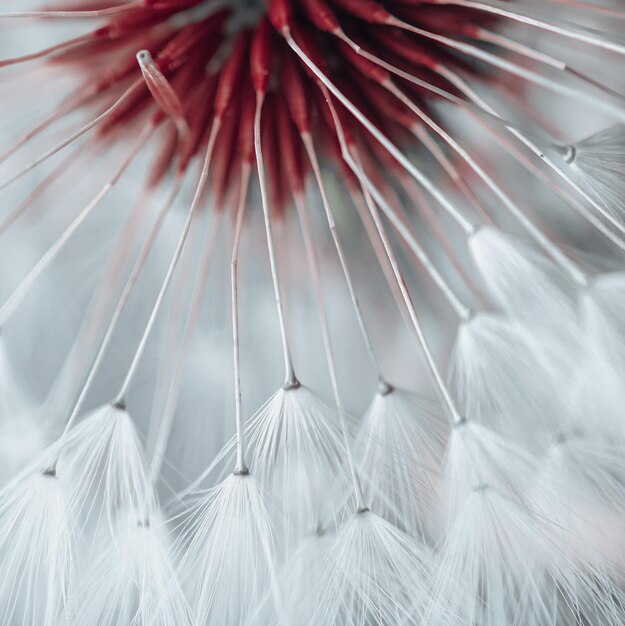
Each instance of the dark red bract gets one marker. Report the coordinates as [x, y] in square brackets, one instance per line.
[214, 70]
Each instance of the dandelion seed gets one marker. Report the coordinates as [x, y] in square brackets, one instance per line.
[132, 581]
[598, 163]
[339, 149]
[37, 547]
[229, 551]
[499, 378]
[399, 453]
[103, 456]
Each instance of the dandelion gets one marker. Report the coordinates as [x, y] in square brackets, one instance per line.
[312, 313]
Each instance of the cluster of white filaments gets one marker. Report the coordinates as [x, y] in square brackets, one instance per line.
[384, 223]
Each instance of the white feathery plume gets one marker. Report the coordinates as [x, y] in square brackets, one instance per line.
[530, 288]
[498, 378]
[602, 307]
[36, 550]
[370, 574]
[596, 395]
[501, 564]
[297, 452]
[598, 165]
[377, 573]
[398, 452]
[229, 551]
[478, 456]
[132, 580]
[587, 472]
[523, 282]
[227, 544]
[532, 533]
[105, 454]
[366, 573]
[486, 567]
[104, 460]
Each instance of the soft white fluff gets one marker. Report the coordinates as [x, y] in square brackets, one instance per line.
[228, 552]
[502, 565]
[132, 580]
[369, 574]
[478, 457]
[104, 462]
[581, 487]
[297, 452]
[599, 167]
[597, 394]
[526, 285]
[399, 452]
[36, 551]
[499, 379]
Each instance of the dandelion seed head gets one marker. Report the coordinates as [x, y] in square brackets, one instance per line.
[345, 201]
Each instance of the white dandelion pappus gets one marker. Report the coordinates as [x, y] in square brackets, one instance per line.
[229, 548]
[104, 460]
[37, 550]
[399, 450]
[131, 579]
[510, 512]
[499, 379]
[598, 163]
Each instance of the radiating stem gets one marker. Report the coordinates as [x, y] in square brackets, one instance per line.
[18, 295]
[76, 135]
[241, 467]
[462, 222]
[312, 155]
[536, 149]
[290, 377]
[164, 428]
[563, 261]
[455, 415]
[120, 398]
[121, 305]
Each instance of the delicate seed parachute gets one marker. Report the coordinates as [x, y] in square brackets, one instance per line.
[312, 313]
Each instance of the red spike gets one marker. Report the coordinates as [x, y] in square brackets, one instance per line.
[135, 104]
[171, 5]
[231, 74]
[165, 157]
[332, 146]
[406, 47]
[246, 134]
[308, 44]
[280, 13]
[388, 105]
[199, 111]
[321, 15]
[187, 80]
[207, 32]
[295, 92]
[367, 10]
[271, 154]
[366, 67]
[160, 88]
[260, 56]
[130, 22]
[224, 154]
[291, 147]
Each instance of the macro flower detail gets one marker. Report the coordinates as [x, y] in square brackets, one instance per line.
[312, 313]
